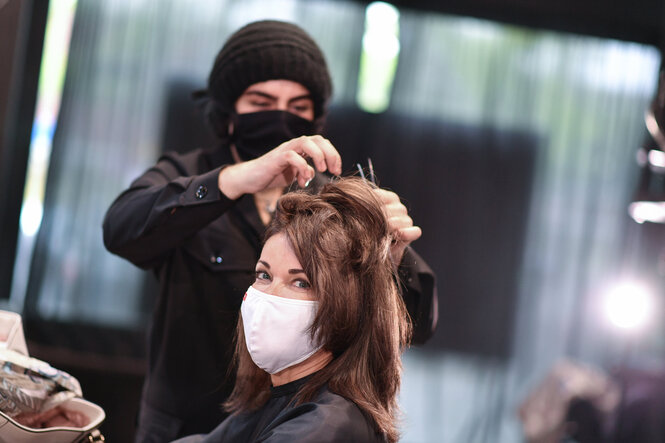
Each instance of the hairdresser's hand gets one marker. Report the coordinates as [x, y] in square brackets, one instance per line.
[280, 167]
[399, 223]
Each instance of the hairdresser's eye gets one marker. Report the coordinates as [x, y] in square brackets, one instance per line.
[261, 103]
[302, 284]
[262, 276]
[302, 107]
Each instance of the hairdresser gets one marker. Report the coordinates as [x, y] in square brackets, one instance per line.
[197, 219]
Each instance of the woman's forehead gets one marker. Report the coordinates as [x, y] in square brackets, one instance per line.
[278, 252]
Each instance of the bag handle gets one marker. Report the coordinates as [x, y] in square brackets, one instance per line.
[93, 436]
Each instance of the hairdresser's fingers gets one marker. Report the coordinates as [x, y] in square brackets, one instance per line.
[400, 224]
[323, 154]
[298, 168]
[392, 205]
[386, 196]
[400, 227]
[332, 157]
[307, 147]
[409, 234]
[395, 210]
[281, 166]
[403, 237]
[278, 167]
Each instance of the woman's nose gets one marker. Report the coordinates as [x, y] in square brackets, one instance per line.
[275, 288]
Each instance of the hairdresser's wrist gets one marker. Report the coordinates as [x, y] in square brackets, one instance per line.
[228, 183]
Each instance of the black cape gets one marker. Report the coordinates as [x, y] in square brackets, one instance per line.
[328, 418]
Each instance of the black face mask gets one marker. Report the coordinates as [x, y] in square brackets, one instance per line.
[256, 133]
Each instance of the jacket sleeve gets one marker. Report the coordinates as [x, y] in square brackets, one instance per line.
[418, 288]
[160, 209]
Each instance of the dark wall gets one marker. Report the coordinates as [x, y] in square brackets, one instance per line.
[22, 27]
[184, 128]
[468, 188]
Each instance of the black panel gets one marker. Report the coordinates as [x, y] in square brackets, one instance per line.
[184, 124]
[22, 25]
[469, 189]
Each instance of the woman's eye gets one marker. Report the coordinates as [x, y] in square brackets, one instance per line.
[261, 104]
[262, 275]
[302, 284]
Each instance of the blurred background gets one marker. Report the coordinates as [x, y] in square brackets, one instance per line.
[517, 133]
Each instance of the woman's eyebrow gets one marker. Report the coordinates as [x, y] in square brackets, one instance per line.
[264, 263]
[296, 271]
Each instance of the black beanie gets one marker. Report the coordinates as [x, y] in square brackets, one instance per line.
[269, 50]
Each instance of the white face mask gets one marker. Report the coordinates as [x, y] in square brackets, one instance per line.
[276, 329]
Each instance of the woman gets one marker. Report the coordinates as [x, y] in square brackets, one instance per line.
[321, 328]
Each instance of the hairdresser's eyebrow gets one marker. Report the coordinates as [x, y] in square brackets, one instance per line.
[274, 98]
[300, 97]
[264, 264]
[261, 94]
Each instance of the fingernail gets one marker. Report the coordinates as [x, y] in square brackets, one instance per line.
[308, 182]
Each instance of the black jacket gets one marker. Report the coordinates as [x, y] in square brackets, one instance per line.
[203, 249]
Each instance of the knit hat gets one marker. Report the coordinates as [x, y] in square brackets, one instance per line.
[269, 50]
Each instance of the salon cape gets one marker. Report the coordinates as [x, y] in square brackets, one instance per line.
[328, 418]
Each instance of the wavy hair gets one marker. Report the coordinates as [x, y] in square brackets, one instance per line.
[341, 238]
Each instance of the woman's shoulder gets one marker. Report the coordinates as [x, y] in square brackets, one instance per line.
[327, 418]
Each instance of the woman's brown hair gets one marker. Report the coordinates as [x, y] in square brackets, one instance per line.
[341, 238]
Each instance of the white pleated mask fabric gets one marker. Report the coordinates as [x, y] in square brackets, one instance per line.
[276, 329]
